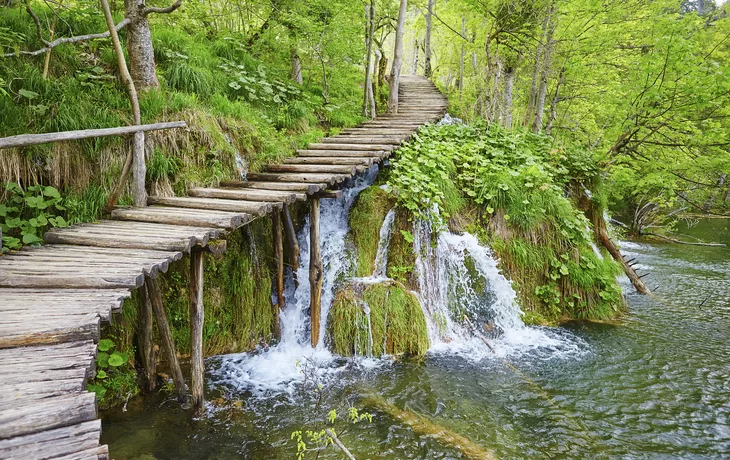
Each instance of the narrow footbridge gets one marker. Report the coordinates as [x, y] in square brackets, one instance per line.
[53, 298]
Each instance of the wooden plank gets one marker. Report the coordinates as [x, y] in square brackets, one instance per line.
[308, 188]
[316, 274]
[48, 414]
[254, 208]
[376, 155]
[291, 238]
[181, 216]
[250, 195]
[356, 139]
[332, 160]
[294, 177]
[346, 146]
[69, 280]
[19, 329]
[336, 169]
[71, 440]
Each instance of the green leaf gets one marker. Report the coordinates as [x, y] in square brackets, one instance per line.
[28, 94]
[116, 359]
[106, 345]
[102, 360]
[98, 389]
[51, 192]
[100, 374]
[408, 236]
[30, 238]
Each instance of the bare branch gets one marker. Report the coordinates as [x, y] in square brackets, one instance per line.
[37, 21]
[166, 10]
[64, 40]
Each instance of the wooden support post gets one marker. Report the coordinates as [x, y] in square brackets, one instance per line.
[146, 346]
[153, 291]
[139, 172]
[279, 255]
[315, 271]
[197, 317]
[291, 238]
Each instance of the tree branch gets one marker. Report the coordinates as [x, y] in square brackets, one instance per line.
[60, 41]
[37, 21]
[166, 10]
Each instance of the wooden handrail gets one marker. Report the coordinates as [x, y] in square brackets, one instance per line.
[23, 140]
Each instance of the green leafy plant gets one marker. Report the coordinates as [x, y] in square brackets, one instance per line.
[111, 364]
[28, 213]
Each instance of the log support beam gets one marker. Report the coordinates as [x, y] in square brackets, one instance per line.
[147, 352]
[197, 317]
[278, 234]
[291, 239]
[155, 296]
[315, 271]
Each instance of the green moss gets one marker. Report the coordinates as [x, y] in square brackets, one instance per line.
[366, 219]
[401, 258]
[396, 320]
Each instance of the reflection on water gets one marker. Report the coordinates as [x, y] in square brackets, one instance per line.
[657, 385]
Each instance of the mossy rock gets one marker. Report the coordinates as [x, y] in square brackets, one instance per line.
[366, 218]
[397, 322]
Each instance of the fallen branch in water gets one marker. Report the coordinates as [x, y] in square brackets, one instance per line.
[339, 444]
[674, 240]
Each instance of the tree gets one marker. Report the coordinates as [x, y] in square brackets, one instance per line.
[427, 39]
[397, 58]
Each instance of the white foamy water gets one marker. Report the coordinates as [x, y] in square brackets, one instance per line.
[458, 278]
[277, 369]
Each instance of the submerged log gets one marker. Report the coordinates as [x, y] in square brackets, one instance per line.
[197, 317]
[315, 271]
[155, 296]
[279, 256]
[424, 427]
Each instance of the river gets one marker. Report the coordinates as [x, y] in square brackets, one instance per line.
[655, 384]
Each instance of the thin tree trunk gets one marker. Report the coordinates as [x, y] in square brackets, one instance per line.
[545, 73]
[296, 65]
[461, 57]
[137, 155]
[554, 103]
[139, 47]
[536, 71]
[427, 41]
[507, 96]
[47, 62]
[416, 50]
[368, 108]
[397, 58]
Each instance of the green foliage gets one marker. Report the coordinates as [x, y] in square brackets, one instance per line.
[115, 377]
[396, 321]
[517, 179]
[28, 213]
[366, 218]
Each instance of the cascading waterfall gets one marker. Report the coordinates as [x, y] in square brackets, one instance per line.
[458, 278]
[276, 369]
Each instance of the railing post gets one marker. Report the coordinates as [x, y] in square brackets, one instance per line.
[139, 174]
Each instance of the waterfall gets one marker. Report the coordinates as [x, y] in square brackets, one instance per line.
[276, 369]
[381, 259]
[458, 278]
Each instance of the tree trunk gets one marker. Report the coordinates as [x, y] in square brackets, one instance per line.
[296, 65]
[554, 103]
[139, 47]
[197, 320]
[382, 75]
[507, 96]
[416, 50]
[397, 58]
[427, 41]
[544, 75]
[536, 71]
[368, 108]
[461, 57]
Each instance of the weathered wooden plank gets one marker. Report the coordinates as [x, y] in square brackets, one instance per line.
[69, 280]
[295, 187]
[250, 195]
[306, 168]
[376, 155]
[347, 146]
[301, 177]
[48, 414]
[254, 208]
[197, 318]
[19, 329]
[71, 440]
[356, 139]
[176, 216]
[332, 160]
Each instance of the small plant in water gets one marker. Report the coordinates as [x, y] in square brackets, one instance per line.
[319, 432]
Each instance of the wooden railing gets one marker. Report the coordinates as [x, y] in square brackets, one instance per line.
[138, 185]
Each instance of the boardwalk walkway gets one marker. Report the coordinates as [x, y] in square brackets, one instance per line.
[53, 298]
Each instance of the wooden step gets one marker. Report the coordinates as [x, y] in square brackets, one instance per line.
[308, 188]
[294, 177]
[255, 208]
[250, 195]
[379, 154]
[338, 146]
[332, 160]
[294, 168]
[183, 216]
[356, 139]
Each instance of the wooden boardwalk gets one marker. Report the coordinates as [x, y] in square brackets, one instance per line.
[53, 298]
